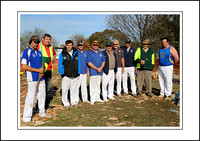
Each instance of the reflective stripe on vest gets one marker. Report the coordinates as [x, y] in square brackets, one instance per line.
[44, 53]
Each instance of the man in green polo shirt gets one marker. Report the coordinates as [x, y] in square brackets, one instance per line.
[144, 57]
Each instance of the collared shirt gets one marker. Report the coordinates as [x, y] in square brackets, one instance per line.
[111, 58]
[129, 57]
[32, 58]
[96, 59]
[83, 62]
[48, 53]
[119, 54]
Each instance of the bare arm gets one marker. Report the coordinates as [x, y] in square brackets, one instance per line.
[92, 66]
[28, 68]
[175, 55]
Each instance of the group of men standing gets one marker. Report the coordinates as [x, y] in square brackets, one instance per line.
[76, 65]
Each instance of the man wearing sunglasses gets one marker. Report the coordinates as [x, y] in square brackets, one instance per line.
[130, 65]
[120, 65]
[32, 64]
[96, 62]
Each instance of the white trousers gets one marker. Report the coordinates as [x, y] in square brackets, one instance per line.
[70, 83]
[83, 84]
[95, 88]
[108, 80]
[119, 79]
[30, 99]
[165, 79]
[131, 72]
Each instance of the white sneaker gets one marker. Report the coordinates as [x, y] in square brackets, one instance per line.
[111, 98]
[86, 101]
[92, 103]
[161, 96]
[106, 100]
[67, 107]
[99, 100]
[45, 115]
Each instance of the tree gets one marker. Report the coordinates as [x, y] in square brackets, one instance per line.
[107, 36]
[77, 37]
[26, 35]
[141, 26]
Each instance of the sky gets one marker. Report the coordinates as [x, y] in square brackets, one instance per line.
[62, 26]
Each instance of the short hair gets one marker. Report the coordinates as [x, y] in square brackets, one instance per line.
[68, 42]
[46, 35]
[166, 38]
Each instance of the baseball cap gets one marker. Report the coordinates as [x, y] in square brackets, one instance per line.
[95, 42]
[108, 44]
[35, 39]
[80, 43]
[128, 41]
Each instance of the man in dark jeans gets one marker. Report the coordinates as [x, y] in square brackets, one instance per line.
[47, 51]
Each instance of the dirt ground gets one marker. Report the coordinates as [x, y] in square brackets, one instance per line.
[128, 111]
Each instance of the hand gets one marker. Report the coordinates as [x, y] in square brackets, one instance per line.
[41, 70]
[41, 75]
[99, 70]
[122, 70]
[142, 62]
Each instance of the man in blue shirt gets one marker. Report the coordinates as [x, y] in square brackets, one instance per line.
[83, 71]
[96, 62]
[168, 56]
[32, 63]
[130, 65]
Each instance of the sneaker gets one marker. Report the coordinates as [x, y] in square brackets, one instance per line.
[125, 93]
[149, 94]
[139, 93]
[119, 95]
[161, 96]
[92, 103]
[168, 98]
[99, 100]
[45, 115]
[86, 101]
[106, 100]
[111, 98]
[67, 107]
[76, 106]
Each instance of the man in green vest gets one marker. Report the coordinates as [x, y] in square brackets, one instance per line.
[144, 58]
[47, 51]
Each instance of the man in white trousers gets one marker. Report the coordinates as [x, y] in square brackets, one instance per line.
[96, 62]
[120, 65]
[84, 71]
[32, 63]
[168, 56]
[109, 71]
[69, 71]
[130, 66]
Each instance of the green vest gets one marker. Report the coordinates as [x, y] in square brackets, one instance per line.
[44, 54]
[147, 56]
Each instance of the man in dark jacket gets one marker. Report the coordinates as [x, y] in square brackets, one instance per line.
[144, 56]
[68, 67]
[108, 72]
[130, 65]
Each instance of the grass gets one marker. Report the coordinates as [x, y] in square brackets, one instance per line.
[127, 111]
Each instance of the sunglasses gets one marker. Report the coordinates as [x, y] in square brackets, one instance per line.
[36, 42]
[115, 44]
[95, 45]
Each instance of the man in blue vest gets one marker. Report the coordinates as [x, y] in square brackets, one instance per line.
[130, 66]
[32, 63]
[168, 56]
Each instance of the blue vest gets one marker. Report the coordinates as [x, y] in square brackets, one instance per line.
[165, 57]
